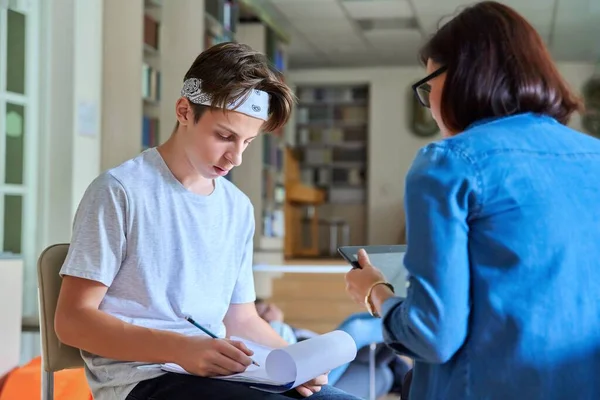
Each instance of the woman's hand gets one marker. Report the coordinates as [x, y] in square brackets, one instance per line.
[359, 280]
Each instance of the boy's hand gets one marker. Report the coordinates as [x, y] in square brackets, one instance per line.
[211, 357]
[312, 386]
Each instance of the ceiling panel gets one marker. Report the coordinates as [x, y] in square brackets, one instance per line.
[318, 27]
[430, 13]
[342, 40]
[333, 50]
[299, 45]
[310, 9]
[328, 34]
[368, 9]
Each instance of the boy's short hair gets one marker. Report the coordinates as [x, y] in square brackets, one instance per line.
[229, 71]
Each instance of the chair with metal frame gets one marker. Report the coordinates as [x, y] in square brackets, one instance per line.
[367, 333]
[56, 356]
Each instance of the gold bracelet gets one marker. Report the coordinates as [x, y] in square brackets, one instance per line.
[370, 307]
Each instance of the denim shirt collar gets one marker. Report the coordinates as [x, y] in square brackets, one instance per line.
[487, 120]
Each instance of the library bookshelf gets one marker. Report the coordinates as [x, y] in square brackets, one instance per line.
[331, 138]
[151, 74]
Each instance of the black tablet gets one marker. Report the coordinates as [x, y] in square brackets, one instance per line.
[388, 259]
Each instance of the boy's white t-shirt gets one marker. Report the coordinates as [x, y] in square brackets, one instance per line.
[164, 252]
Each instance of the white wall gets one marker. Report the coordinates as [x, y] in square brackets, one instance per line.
[88, 85]
[181, 41]
[392, 145]
[576, 75]
[71, 82]
[121, 62]
[69, 147]
[249, 178]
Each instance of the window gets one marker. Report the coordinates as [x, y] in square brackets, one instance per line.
[18, 142]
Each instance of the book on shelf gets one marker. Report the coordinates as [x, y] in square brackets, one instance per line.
[279, 195]
[355, 177]
[229, 15]
[346, 195]
[150, 83]
[272, 151]
[272, 188]
[351, 114]
[150, 132]
[333, 94]
[220, 18]
[151, 32]
[273, 223]
[279, 60]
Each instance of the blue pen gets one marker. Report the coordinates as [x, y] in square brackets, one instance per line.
[209, 333]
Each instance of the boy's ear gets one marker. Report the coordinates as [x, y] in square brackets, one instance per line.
[183, 111]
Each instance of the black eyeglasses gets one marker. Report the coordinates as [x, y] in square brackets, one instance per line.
[422, 89]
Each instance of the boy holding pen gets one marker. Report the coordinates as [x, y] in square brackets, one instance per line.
[164, 236]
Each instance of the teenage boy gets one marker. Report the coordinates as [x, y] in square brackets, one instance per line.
[164, 235]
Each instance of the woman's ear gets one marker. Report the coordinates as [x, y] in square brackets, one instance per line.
[183, 111]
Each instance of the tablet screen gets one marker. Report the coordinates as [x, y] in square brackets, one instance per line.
[388, 259]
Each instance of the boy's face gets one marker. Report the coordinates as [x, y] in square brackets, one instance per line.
[214, 145]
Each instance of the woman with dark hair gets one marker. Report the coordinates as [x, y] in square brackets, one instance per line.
[503, 225]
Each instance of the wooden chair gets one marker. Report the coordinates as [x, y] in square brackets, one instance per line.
[56, 356]
[298, 196]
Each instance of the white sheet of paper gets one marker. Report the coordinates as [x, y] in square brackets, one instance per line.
[288, 367]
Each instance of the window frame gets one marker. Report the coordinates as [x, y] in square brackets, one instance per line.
[28, 190]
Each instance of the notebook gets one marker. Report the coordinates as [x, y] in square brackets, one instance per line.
[286, 368]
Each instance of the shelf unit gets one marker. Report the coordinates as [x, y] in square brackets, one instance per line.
[220, 19]
[261, 176]
[273, 155]
[331, 126]
[151, 74]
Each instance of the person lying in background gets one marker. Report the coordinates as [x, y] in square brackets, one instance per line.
[389, 368]
[275, 317]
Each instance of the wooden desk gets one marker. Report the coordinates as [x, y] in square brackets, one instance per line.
[311, 296]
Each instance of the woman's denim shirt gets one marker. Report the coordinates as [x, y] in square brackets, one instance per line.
[503, 233]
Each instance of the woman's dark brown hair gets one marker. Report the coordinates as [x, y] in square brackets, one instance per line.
[497, 66]
[230, 71]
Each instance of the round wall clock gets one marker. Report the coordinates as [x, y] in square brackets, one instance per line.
[421, 122]
[591, 96]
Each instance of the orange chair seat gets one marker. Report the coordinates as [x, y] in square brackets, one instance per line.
[25, 383]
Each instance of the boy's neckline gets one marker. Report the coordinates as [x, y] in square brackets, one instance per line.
[180, 187]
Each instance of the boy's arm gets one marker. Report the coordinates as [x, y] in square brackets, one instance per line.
[243, 320]
[96, 251]
[79, 323]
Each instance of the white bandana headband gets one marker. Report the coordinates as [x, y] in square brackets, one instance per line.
[255, 105]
